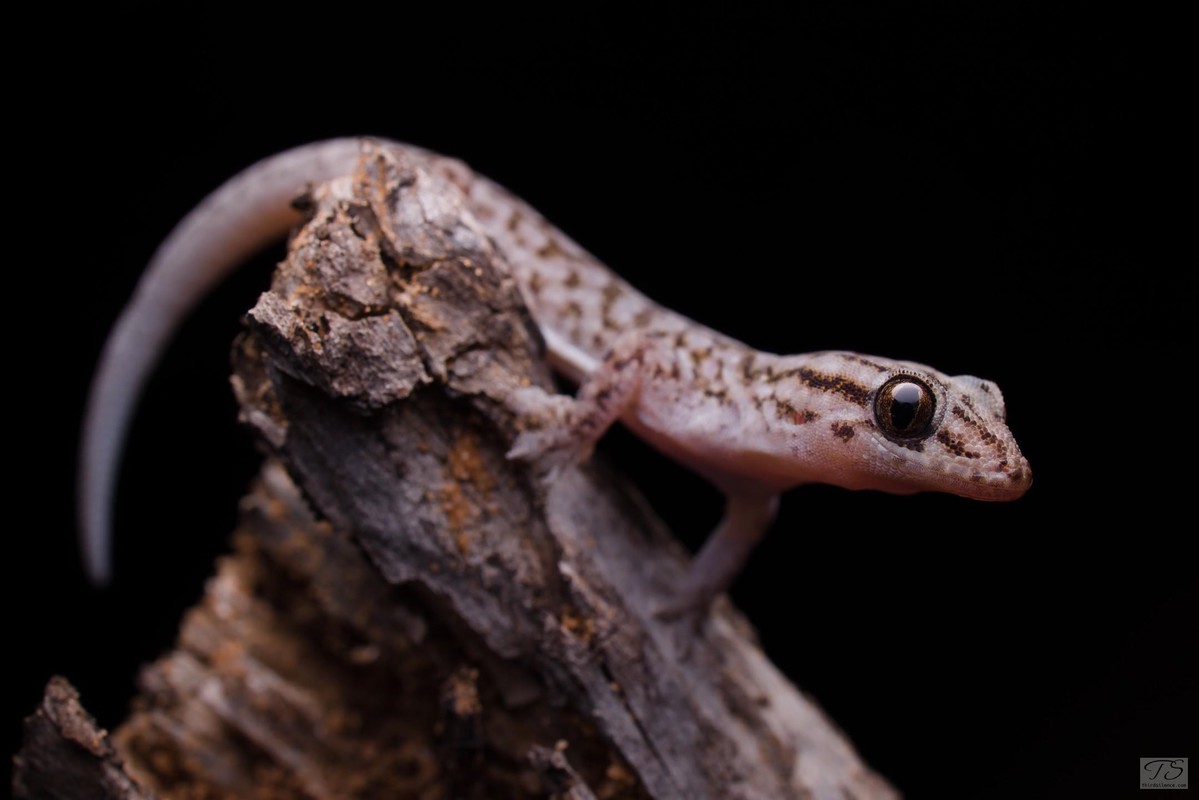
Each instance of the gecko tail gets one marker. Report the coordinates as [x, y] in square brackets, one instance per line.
[245, 214]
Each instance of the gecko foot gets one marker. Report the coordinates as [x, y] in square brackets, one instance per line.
[550, 451]
[550, 445]
[692, 615]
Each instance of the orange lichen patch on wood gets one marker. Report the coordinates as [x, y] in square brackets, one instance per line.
[464, 498]
[459, 512]
[466, 463]
[229, 657]
[276, 511]
[460, 693]
[621, 778]
[578, 626]
[462, 542]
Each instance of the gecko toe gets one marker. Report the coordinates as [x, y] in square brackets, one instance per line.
[550, 452]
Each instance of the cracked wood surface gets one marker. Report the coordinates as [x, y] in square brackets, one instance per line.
[493, 636]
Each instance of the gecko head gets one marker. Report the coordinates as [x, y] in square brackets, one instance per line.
[865, 422]
[934, 432]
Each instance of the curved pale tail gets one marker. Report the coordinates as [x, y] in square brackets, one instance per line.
[245, 214]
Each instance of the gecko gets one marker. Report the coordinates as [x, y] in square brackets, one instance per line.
[753, 424]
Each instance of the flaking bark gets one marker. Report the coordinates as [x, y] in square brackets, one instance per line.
[453, 627]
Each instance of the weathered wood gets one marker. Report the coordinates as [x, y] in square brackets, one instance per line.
[66, 756]
[457, 628]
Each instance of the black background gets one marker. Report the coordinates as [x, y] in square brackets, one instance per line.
[978, 191]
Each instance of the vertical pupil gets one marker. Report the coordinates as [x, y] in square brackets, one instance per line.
[905, 402]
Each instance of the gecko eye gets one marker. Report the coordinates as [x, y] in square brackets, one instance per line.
[904, 407]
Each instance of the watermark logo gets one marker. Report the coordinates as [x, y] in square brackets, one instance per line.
[1164, 773]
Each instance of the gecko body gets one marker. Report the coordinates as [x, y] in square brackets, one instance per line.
[752, 423]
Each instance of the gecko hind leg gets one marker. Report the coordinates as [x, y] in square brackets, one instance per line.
[746, 519]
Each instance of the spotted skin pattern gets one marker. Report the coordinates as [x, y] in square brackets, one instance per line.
[753, 423]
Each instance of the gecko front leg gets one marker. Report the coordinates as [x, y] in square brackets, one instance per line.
[566, 435]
